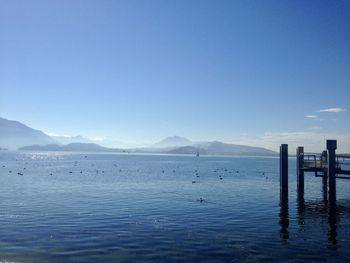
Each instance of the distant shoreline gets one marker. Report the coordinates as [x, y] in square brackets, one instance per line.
[141, 154]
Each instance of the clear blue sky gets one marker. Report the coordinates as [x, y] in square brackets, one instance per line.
[136, 71]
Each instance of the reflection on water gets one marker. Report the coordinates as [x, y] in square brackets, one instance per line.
[318, 209]
[332, 221]
[301, 211]
[130, 208]
[310, 211]
[324, 188]
[284, 218]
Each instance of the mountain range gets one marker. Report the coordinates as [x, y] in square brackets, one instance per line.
[71, 147]
[220, 148]
[172, 141]
[15, 135]
[209, 148]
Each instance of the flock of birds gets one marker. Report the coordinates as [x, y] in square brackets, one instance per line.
[218, 171]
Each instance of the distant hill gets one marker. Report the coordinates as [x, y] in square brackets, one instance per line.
[72, 147]
[70, 139]
[81, 139]
[172, 141]
[220, 148]
[209, 148]
[187, 150]
[14, 134]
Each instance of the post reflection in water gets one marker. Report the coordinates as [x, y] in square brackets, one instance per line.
[318, 209]
[284, 218]
[301, 211]
[332, 222]
[325, 188]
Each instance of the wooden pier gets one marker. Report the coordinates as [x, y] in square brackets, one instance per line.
[328, 165]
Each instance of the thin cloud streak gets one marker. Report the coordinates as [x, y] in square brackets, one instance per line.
[58, 135]
[313, 141]
[333, 110]
[311, 116]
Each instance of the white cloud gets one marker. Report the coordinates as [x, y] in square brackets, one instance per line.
[311, 116]
[333, 110]
[312, 140]
[58, 135]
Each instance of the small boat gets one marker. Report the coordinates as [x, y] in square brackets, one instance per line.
[197, 154]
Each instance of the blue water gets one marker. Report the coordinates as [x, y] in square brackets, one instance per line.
[156, 208]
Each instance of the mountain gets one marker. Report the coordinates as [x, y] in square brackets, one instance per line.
[109, 143]
[206, 148]
[70, 139]
[72, 147]
[14, 134]
[172, 141]
[187, 150]
[209, 148]
[220, 148]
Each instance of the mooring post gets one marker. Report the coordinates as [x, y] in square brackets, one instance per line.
[300, 171]
[284, 171]
[324, 161]
[331, 147]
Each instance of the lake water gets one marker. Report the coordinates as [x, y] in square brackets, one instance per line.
[157, 208]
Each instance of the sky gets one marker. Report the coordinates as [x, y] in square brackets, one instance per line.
[251, 72]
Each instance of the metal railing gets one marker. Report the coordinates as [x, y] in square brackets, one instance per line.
[343, 162]
[318, 162]
[314, 160]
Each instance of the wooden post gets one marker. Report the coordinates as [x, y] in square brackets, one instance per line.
[324, 162]
[300, 171]
[331, 147]
[284, 171]
[325, 186]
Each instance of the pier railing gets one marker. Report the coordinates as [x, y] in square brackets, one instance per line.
[327, 165]
[343, 161]
[313, 161]
[343, 164]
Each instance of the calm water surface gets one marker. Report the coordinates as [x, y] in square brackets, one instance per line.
[148, 208]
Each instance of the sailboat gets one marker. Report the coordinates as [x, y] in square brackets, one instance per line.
[197, 154]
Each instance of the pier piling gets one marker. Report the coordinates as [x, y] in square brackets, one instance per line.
[300, 171]
[284, 171]
[331, 147]
[324, 159]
